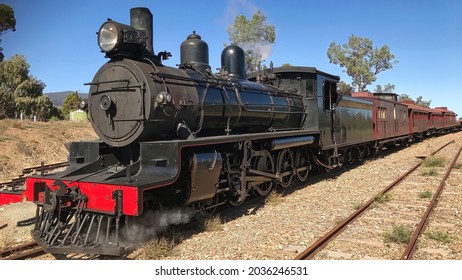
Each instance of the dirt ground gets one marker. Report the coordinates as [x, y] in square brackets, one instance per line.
[270, 231]
[26, 144]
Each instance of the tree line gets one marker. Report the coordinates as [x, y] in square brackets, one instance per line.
[361, 61]
[21, 94]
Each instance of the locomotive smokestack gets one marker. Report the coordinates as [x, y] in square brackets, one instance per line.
[141, 19]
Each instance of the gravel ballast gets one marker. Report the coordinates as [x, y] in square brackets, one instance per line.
[281, 230]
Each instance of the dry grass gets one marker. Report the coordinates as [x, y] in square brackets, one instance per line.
[429, 172]
[425, 194]
[25, 144]
[381, 199]
[18, 124]
[24, 148]
[435, 161]
[357, 205]
[440, 236]
[4, 167]
[212, 223]
[386, 197]
[158, 248]
[274, 198]
[161, 246]
[7, 241]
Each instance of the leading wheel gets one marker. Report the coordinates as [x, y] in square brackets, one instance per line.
[235, 198]
[234, 201]
[211, 205]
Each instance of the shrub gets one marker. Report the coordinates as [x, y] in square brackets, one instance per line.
[383, 198]
[357, 205]
[425, 194]
[440, 236]
[430, 172]
[434, 162]
[399, 234]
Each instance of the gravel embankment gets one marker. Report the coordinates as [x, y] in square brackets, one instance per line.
[283, 229]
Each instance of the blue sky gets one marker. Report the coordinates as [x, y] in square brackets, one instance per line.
[58, 38]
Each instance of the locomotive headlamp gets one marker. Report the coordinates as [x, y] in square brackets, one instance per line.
[163, 97]
[83, 104]
[115, 38]
[168, 97]
[160, 98]
[108, 37]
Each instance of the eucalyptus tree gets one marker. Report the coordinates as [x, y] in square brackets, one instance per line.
[255, 36]
[362, 62]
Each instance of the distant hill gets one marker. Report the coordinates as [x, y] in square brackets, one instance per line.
[58, 97]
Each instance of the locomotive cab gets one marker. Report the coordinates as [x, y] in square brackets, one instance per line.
[317, 89]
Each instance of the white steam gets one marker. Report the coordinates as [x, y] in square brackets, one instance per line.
[235, 8]
[265, 50]
[153, 223]
[259, 51]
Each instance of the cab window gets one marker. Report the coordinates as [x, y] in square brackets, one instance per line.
[290, 85]
[310, 94]
[329, 92]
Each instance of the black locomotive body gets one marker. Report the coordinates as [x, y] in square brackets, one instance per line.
[175, 137]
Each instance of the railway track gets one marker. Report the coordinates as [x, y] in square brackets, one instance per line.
[22, 252]
[20, 180]
[412, 245]
[13, 190]
[15, 187]
[349, 222]
[30, 255]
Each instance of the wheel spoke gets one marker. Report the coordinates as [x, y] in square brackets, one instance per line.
[264, 163]
[285, 166]
[302, 160]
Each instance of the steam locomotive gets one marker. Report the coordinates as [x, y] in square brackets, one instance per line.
[188, 137]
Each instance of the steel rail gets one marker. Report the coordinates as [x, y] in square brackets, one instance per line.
[311, 251]
[22, 252]
[45, 167]
[42, 168]
[412, 245]
[29, 254]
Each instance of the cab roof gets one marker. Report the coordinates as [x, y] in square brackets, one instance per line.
[297, 69]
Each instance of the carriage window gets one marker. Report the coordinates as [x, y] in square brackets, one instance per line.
[382, 113]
